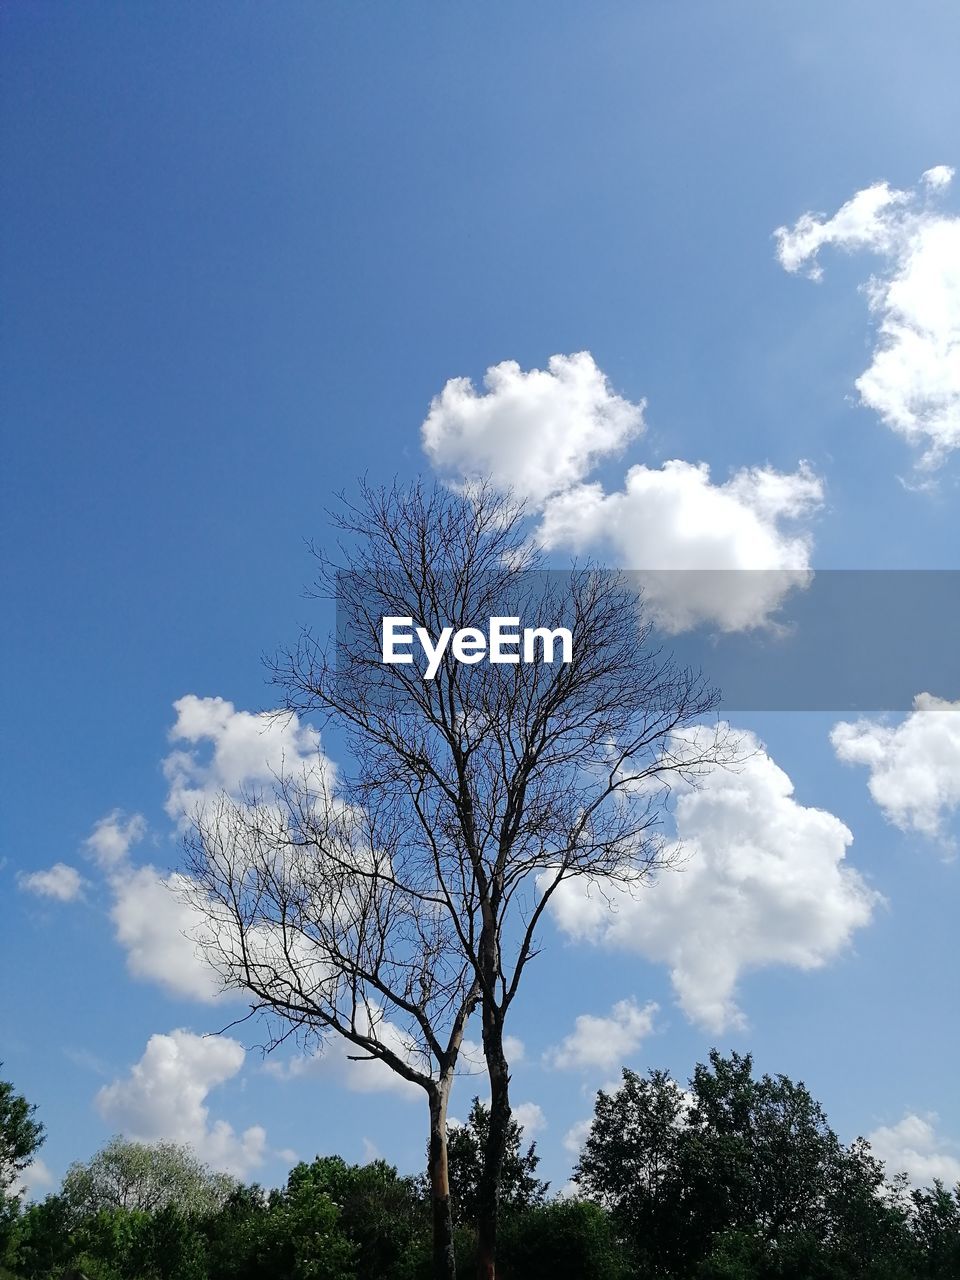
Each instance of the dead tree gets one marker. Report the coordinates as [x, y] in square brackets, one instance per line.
[490, 785]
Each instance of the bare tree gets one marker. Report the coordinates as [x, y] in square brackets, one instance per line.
[317, 910]
[412, 892]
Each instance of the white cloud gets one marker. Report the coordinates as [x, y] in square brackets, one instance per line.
[470, 1061]
[941, 175]
[543, 433]
[113, 837]
[220, 749]
[867, 221]
[763, 881]
[529, 1116]
[62, 882]
[600, 1043]
[913, 381]
[164, 1099]
[576, 1136]
[913, 1147]
[676, 518]
[914, 766]
[32, 1181]
[570, 1191]
[152, 923]
[535, 433]
[216, 748]
[157, 928]
[514, 1050]
[336, 1060]
[339, 1060]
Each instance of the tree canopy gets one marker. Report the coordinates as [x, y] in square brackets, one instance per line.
[734, 1171]
[21, 1136]
[733, 1176]
[520, 1188]
[146, 1177]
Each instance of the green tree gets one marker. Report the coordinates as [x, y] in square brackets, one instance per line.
[174, 1246]
[147, 1176]
[519, 1189]
[737, 1176]
[40, 1243]
[756, 1154]
[232, 1234]
[21, 1136]
[381, 1213]
[109, 1244]
[561, 1238]
[291, 1234]
[112, 1244]
[631, 1163]
[935, 1228]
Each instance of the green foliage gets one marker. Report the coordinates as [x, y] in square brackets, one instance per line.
[293, 1234]
[756, 1155]
[560, 1238]
[631, 1165]
[110, 1244]
[380, 1212]
[137, 1175]
[21, 1136]
[113, 1243]
[520, 1188]
[736, 1177]
[936, 1231]
[41, 1239]
[234, 1234]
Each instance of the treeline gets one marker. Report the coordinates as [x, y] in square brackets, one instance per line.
[733, 1177]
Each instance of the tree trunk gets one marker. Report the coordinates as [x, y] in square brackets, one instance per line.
[488, 1196]
[444, 1260]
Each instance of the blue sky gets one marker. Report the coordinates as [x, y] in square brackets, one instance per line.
[244, 248]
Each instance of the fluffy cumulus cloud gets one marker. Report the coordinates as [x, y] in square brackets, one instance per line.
[599, 1043]
[914, 766]
[215, 748]
[535, 432]
[156, 927]
[220, 749]
[113, 837]
[61, 882]
[529, 1116]
[914, 1147]
[164, 1097]
[542, 433]
[151, 921]
[913, 380]
[763, 881]
[514, 1050]
[675, 518]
